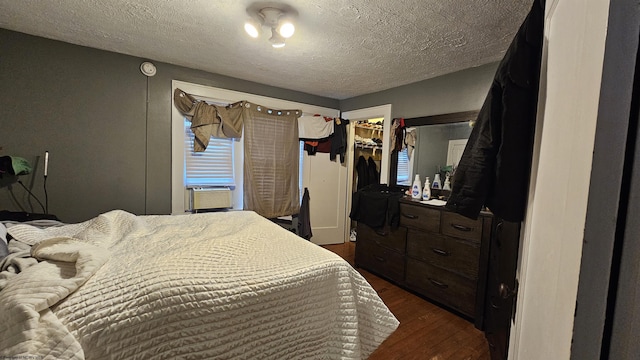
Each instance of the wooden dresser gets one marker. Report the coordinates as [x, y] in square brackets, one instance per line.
[434, 252]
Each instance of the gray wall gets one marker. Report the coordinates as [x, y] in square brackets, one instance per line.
[88, 108]
[109, 150]
[461, 91]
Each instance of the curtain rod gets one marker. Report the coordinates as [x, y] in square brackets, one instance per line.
[224, 102]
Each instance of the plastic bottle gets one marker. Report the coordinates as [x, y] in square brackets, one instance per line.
[416, 189]
[436, 182]
[447, 183]
[426, 192]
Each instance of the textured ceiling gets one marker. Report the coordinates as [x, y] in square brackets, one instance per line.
[340, 49]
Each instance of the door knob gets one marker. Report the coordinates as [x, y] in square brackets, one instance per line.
[506, 292]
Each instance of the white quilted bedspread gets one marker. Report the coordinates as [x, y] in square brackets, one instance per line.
[227, 285]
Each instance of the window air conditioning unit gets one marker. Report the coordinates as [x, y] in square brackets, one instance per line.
[209, 198]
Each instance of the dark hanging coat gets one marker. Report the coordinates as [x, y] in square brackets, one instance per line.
[372, 171]
[362, 170]
[304, 217]
[339, 139]
[496, 163]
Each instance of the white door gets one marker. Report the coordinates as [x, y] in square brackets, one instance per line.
[456, 148]
[327, 183]
[382, 111]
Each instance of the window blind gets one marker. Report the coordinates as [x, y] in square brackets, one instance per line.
[213, 167]
[403, 168]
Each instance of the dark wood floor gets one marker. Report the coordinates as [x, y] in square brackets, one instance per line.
[426, 331]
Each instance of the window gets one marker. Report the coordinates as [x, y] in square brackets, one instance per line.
[182, 145]
[212, 167]
[404, 173]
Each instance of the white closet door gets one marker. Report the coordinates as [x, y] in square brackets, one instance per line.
[456, 148]
[327, 184]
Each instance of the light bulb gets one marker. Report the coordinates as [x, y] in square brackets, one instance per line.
[286, 29]
[252, 29]
[277, 41]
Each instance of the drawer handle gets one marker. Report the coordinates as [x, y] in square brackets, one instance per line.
[461, 227]
[438, 284]
[381, 233]
[440, 252]
[409, 216]
[379, 258]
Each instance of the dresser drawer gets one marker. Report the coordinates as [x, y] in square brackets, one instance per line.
[459, 256]
[443, 286]
[420, 217]
[380, 260]
[461, 227]
[394, 239]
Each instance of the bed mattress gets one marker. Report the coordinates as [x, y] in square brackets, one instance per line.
[229, 285]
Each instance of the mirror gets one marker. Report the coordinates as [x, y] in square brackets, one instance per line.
[440, 141]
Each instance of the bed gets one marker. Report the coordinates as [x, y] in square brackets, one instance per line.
[227, 285]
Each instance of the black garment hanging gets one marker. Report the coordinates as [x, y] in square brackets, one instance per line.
[372, 172]
[304, 217]
[363, 172]
[339, 139]
[496, 163]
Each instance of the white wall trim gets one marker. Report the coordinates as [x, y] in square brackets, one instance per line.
[381, 111]
[553, 231]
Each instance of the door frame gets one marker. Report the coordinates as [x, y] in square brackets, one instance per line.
[381, 111]
[606, 320]
[554, 228]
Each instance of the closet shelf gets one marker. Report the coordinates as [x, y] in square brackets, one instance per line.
[366, 146]
[370, 127]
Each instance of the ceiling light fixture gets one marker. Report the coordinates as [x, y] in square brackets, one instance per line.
[277, 17]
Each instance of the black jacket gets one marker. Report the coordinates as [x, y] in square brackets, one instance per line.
[339, 140]
[304, 217]
[362, 170]
[496, 163]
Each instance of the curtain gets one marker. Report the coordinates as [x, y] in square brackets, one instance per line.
[209, 120]
[271, 161]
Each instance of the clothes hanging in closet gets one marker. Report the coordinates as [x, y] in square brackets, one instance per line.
[367, 171]
[362, 169]
[372, 171]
